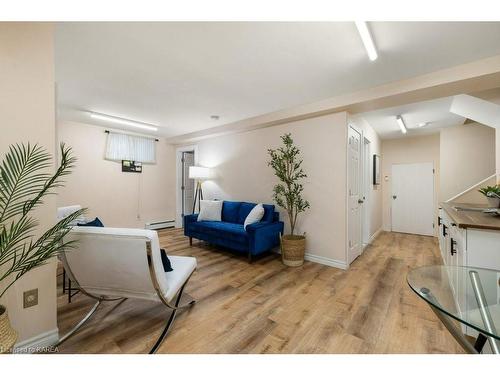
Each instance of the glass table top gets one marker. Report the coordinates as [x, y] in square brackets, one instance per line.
[469, 295]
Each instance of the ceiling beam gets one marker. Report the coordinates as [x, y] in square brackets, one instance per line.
[476, 76]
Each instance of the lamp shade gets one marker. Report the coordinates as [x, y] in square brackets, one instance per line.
[200, 173]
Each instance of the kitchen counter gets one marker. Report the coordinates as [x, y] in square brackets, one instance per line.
[471, 219]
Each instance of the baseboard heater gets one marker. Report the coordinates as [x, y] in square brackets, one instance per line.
[161, 224]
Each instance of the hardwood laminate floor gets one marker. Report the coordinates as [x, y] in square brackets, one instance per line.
[266, 307]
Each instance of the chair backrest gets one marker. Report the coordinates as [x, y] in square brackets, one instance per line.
[113, 262]
[62, 212]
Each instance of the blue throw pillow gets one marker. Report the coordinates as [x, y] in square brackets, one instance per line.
[167, 266]
[94, 223]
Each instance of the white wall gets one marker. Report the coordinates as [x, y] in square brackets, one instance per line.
[240, 162]
[27, 115]
[467, 156]
[407, 150]
[119, 199]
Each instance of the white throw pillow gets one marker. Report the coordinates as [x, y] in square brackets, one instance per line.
[255, 215]
[210, 210]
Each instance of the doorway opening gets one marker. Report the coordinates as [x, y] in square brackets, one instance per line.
[185, 186]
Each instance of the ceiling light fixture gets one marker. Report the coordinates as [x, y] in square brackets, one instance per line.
[401, 124]
[367, 40]
[122, 121]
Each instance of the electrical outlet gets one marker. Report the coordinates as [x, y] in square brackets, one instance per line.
[30, 298]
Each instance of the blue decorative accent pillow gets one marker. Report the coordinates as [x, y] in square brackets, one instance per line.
[94, 223]
[167, 266]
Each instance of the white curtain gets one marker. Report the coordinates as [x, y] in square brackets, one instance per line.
[128, 147]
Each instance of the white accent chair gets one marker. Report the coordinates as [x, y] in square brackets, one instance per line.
[111, 264]
[63, 212]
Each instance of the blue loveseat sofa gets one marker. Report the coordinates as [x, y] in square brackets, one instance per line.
[256, 239]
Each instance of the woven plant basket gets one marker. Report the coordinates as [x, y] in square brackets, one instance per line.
[293, 249]
[8, 336]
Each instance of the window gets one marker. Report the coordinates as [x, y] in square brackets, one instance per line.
[128, 147]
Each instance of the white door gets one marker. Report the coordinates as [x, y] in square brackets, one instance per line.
[354, 193]
[413, 198]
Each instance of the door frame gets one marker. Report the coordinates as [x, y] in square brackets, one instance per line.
[433, 192]
[361, 169]
[178, 180]
[367, 174]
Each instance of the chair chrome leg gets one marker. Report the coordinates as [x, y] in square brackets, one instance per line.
[171, 318]
[80, 324]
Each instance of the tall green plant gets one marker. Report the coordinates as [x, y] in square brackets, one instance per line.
[24, 183]
[287, 167]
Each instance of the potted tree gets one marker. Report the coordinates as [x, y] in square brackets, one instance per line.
[24, 183]
[287, 194]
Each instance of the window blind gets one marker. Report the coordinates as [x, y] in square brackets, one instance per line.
[121, 146]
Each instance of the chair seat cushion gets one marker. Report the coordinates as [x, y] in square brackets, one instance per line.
[230, 231]
[183, 267]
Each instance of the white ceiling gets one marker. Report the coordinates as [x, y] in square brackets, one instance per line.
[176, 75]
[435, 112]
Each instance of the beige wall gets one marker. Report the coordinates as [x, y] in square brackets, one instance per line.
[27, 115]
[118, 199]
[240, 162]
[407, 150]
[467, 156]
[473, 196]
[374, 202]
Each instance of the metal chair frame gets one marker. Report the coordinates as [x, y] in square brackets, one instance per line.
[174, 307]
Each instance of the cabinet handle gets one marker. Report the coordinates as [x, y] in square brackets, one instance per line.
[453, 251]
[439, 221]
[444, 230]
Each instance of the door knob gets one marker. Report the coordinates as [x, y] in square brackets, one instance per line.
[361, 201]
[394, 196]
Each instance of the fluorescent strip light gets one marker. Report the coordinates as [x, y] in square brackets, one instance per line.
[122, 121]
[367, 40]
[401, 124]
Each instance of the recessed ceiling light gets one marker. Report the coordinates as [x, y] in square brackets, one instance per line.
[401, 124]
[367, 39]
[422, 124]
[122, 121]
[214, 117]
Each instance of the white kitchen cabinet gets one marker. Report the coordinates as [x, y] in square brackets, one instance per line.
[464, 244]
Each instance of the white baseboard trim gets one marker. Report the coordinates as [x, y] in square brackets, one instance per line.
[326, 261]
[38, 343]
[375, 235]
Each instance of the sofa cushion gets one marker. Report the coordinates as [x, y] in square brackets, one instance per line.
[230, 231]
[254, 216]
[230, 211]
[210, 210]
[246, 207]
[268, 213]
[244, 210]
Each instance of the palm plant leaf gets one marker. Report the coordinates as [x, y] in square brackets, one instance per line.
[24, 182]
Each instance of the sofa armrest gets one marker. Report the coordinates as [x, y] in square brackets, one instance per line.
[190, 218]
[264, 236]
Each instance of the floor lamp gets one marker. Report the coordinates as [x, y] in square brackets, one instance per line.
[199, 174]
